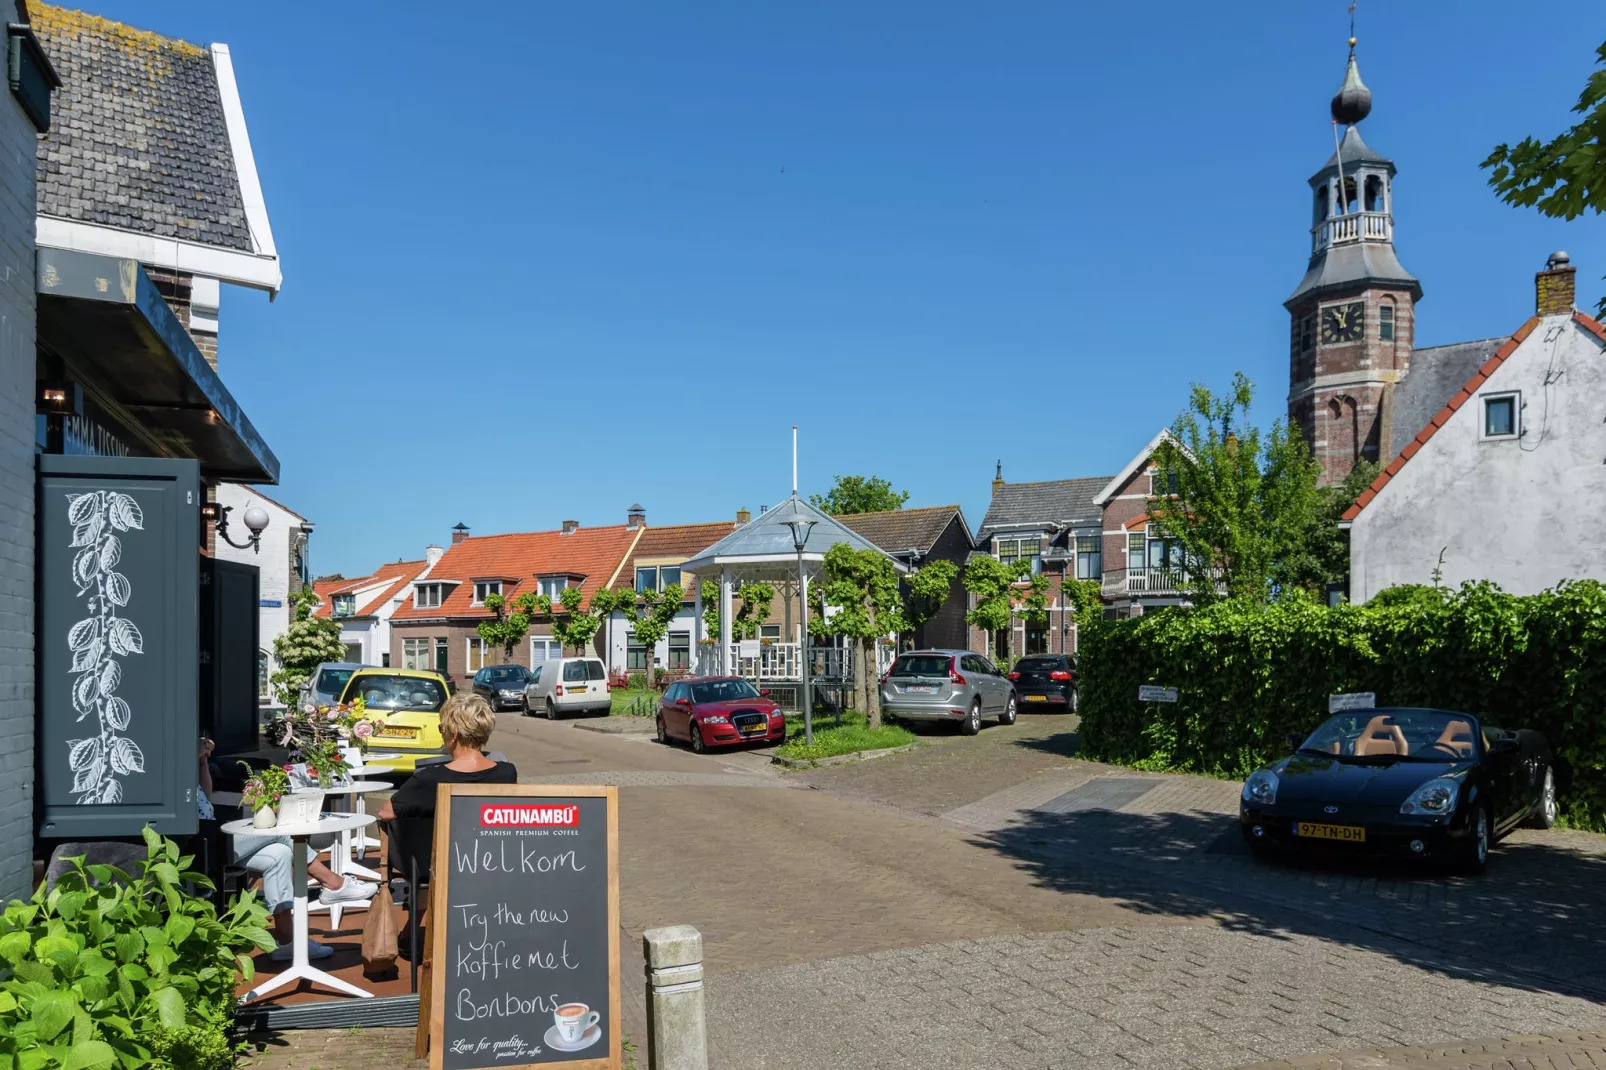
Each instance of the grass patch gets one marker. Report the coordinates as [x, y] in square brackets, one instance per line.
[645, 703]
[853, 736]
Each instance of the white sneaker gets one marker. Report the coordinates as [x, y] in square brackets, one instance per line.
[353, 891]
[315, 950]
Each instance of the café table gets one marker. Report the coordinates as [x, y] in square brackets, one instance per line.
[301, 968]
[349, 846]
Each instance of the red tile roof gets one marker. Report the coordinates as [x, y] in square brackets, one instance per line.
[594, 553]
[398, 573]
[1454, 404]
[684, 541]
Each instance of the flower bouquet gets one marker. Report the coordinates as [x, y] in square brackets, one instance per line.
[263, 790]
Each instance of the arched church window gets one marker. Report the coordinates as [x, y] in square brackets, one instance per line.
[1335, 409]
[1374, 194]
[1385, 320]
[1350, 194]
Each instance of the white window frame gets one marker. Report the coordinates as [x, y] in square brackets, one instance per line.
[484, 589]
[342, 605]
[429, 596]
[549, 644]
[485, 649]
[646, 568]
[1515, 397]
[423, 648]
[561, 581]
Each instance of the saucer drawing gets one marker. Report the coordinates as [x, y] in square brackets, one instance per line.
[588, 1038]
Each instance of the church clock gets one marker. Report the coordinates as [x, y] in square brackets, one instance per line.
[1343, 323]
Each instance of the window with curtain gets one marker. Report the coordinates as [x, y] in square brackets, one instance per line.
[679, 651]
[1015, 549]
[636, 658]
[647, 578]
[415, 654]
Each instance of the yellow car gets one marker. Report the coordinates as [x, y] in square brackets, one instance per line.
[405, 708]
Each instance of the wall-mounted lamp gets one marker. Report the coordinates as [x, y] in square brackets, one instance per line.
[62, 399]
[256, 521]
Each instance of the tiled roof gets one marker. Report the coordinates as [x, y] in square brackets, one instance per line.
[395, 575]
[1053, 501]
[677, 540]
[1452, 406]
[897, 530]
[1435, 373]
[137, 136]
[594, 553]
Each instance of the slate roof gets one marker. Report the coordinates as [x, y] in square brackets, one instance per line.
[767, 536]
[137, 136]
[675, 540]
[594, 553]
[900, 530]
[1434, 375]
[1054, 501]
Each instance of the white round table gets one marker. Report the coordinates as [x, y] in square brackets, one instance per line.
[300, 967]
[345, 852]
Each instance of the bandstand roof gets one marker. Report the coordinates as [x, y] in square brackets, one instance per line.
[766, 540]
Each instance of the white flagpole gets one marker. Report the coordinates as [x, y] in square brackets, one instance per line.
[794, 460]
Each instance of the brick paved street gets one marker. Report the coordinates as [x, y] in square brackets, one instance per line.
[992, 902]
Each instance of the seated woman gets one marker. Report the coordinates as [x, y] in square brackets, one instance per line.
[466, 724]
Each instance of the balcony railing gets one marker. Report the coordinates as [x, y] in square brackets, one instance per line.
[1356, 226]
[1155, 580]
[782, 661]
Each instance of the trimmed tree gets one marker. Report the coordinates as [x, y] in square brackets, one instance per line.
[993, 583]
[570, 626]
[929, 587]
[754, 610]
[863, 586]
[307, 643]
[511, 622]
[653, 618]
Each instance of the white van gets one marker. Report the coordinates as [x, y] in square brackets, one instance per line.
[568, 685]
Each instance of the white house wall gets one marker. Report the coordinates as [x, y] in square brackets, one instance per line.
[618, 642]
[272, 562]
[1525, 513]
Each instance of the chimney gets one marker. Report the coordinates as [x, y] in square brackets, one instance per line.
[459, 533]
[635, 517]
[1555, 288]
[998, 478]
[432, 555]
[569, 526]
[743, 516]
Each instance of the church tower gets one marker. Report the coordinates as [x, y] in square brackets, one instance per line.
[1353, 315]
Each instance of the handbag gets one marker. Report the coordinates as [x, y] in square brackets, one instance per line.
[379, 935]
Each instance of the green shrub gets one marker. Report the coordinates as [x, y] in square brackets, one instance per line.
[108, 969]
[1249, 675]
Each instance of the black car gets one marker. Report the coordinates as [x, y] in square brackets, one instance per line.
[1046, 680]
[502, 685]
[1433, 784]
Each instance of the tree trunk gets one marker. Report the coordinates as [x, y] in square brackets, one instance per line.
[865, 672]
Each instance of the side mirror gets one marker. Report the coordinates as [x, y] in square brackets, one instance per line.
[683, 702]
[764, 692]
[1294, 740]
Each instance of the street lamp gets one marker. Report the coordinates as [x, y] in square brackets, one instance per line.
[800, 537]
[256, 521]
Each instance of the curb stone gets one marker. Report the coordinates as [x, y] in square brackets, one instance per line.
[619, 726]
[837, 759]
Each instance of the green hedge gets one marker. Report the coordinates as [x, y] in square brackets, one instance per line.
[1249, 675]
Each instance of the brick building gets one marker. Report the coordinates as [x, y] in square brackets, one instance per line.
[655, 563]
[435, 627]
[916, 537]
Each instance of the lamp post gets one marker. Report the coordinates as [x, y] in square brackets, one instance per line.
[256, 521]
[800, 536]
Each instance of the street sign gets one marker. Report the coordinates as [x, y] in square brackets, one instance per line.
[1155, 693]
[270, 603]
[1354, 700]
[747, 648]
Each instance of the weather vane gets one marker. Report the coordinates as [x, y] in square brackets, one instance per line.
[1352, 26]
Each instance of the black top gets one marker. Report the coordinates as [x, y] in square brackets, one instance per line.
[416, 797]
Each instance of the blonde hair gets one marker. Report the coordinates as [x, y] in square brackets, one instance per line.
[468, 718]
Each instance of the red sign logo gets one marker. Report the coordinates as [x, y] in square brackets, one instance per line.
[503, 816]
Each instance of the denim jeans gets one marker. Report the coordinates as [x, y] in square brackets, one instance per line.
[269, 858]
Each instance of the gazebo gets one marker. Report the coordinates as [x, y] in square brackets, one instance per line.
[764, 550]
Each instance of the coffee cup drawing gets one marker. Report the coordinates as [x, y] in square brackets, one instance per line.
[573, 1020]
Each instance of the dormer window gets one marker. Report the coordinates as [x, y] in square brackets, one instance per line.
[343, 605]
[429, 596]
[553, 586]
[484, 589]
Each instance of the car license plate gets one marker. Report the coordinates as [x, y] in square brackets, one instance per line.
[919, 689]
[1036, 698]
[1310, 830]
[398, 732]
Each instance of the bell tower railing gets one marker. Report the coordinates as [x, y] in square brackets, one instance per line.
[1355, 226]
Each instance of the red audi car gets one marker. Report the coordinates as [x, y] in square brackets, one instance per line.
[718, 711]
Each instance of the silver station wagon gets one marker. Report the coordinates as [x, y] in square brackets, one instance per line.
[960, 686]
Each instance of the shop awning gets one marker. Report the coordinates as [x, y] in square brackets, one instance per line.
[105, 317]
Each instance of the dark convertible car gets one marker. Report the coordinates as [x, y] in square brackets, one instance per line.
[1434, 784]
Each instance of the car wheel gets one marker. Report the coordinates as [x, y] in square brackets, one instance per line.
[1475, 855]
[1545, 815]
[972, 722]
[524, 705]
[697, 744]
[1074, 703]
[663, 732]
[551, 710]
[1008, 716]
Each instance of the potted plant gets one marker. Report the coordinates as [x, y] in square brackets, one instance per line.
[325, 762]
[263, 790]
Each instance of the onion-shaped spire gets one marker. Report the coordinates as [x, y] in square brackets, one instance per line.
[1353, 101]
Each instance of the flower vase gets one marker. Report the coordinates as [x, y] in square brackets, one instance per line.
[326, 779]
[263, 817]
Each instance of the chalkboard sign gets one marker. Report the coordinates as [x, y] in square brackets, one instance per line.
[524, 923]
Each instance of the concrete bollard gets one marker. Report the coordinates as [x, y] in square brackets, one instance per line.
[677, 1033]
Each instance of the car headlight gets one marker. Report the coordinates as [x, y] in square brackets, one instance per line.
[715, 718]
[511, 692]
[1436, 797]
[1261, 787]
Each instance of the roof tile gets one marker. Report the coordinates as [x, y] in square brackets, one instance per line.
[897, 530]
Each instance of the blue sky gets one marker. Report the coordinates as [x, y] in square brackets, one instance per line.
[545, 260]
